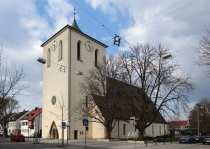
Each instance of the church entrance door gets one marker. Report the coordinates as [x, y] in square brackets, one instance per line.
[54, 131]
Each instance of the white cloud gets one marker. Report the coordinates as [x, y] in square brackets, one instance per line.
[61, 12]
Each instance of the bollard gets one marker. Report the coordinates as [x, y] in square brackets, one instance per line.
[155, 142]
[171, 140]
[146, 142]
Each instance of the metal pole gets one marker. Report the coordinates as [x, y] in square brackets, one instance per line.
[134, 131]
[62, 137]
[85, 136]
[3, 134]
[198, 118]
[67, 134]
[164, 134]
[28, 134]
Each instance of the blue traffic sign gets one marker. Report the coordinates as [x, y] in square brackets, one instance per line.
[63, 124]
[85, 122]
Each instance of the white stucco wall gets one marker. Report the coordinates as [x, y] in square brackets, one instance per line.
[130, 128]
[15, 125]
[24, 128]
[57, 83]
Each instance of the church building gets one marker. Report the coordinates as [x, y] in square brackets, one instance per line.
[69, 54]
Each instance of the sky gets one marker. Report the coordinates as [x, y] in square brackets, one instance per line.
[177, 24]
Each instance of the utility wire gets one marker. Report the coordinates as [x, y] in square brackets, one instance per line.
[153, 16]
[174, 17]
[17, 44]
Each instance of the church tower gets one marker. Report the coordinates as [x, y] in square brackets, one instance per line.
[67, 52]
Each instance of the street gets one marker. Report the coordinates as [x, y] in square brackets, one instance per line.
[93, 144]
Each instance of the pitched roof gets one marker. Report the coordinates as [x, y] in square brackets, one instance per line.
[126, 112]
[75, 29]
[33, 114]
[74, 25]
[178, 123]
[16, 116]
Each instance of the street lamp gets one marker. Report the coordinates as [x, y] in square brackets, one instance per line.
[166, 56]
[134, 119]
[41, 60]
[198, 118]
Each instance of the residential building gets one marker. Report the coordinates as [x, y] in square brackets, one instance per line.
[177, 127]
[13, 126]
[32, 122]
[68, 53]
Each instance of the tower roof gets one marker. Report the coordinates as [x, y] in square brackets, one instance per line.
[74, 25]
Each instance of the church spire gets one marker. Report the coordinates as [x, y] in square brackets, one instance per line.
[74, 24]
[74, 14]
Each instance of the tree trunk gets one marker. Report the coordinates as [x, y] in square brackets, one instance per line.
[108, 133]
[141, 135]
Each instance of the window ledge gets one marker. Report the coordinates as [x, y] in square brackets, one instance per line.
[80, 60]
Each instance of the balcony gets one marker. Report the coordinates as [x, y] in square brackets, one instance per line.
[31, 126]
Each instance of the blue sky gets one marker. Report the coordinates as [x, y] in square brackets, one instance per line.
[178, 24]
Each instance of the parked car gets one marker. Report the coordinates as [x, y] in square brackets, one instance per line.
[159, 139]
[199, 138]
[17, 137]
[187, 139]
[206, 140]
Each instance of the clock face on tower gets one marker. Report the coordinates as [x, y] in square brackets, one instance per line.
[89, 46]
[54, 45]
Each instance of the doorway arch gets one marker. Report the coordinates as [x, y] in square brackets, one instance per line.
[54, 131]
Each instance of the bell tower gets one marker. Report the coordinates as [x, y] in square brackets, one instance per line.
[68, 52]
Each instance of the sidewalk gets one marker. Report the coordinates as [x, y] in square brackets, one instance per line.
[94, 144]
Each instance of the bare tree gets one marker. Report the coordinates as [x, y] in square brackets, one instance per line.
[11, 104]
[100, 91]
[203, 51]
[201, 110]
[62, 114]
[156, 81]
[11, 84]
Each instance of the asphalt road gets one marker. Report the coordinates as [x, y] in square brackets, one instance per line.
[93, 144]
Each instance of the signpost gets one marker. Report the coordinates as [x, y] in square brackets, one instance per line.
[63, 124]
[134, 120]
[3, 123]
[85, 123]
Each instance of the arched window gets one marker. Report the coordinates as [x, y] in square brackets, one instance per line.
[78, 50]
[60, 51]
[48, 58]
[96, 57]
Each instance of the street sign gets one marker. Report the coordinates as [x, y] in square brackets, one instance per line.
[63, 124]
[85, 122]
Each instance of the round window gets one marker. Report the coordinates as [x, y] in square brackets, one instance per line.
[53, 100]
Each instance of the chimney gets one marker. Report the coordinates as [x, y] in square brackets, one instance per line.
[36, 108]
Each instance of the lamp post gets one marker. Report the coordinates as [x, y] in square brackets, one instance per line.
[198, 118]
[134, 119]
[67, 125]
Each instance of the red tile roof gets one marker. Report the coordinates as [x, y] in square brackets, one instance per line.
[178, 123]
[33, 114]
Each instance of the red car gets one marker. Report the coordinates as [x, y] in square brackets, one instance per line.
[17, 137]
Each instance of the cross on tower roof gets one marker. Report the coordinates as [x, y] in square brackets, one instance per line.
[74, 24]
